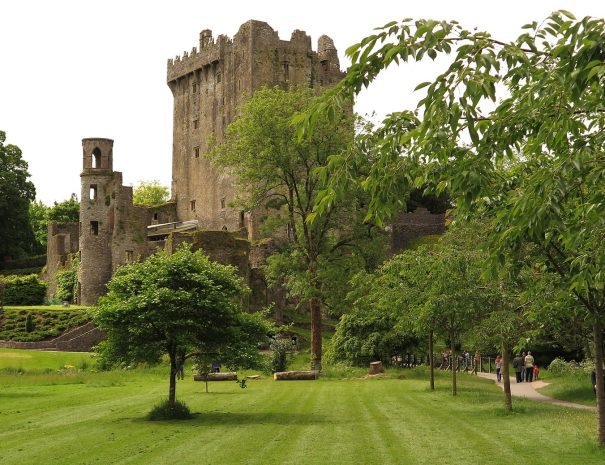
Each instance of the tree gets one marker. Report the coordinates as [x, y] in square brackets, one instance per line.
[182, 305]
[514, 130]
[150, 194]
[275, 175]
[67, 211]
[16, 192]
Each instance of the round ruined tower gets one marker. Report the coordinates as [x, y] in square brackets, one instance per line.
[96, 219]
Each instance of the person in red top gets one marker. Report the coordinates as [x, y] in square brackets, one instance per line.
[536, 372]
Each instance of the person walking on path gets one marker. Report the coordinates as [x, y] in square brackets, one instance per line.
[518, 366]
[529, 367]
[536, 372]
[498, 368]
[476, 362]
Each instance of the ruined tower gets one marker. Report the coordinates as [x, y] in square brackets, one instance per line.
[209, 85]
[96, 219]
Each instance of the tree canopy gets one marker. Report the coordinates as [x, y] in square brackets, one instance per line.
[275, 176]
[16, 192]
[183, 305]
[150, 194]
[512, 130]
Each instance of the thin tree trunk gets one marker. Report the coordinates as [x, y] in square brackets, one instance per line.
[504, 371]
[172, 389]
[316, 343]
[598, 349]
[453, 364]
[431, 361]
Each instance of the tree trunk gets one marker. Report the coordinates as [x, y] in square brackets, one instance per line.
[315, 310]
[598, 349]
[173, 371]
[453, 362]
[431, 361]
[504, 371]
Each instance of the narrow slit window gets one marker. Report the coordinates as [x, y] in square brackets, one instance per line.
[94, 228]
[194, 87]
[196, 124]
[155, 216]
[129, 256]
[223, 202]
[93, 192]
[192, 205]
[241, 219]
[196, 152]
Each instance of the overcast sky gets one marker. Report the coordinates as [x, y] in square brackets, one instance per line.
[76, 69]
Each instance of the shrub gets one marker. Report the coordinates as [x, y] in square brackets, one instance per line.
[23, 290]
[67, 281]
[164, 411]
[29, 323]
[278, 360]
[561, 367]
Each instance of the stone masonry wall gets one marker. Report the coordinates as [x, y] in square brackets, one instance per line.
[209, 85]
[413, 225]
[62, 243]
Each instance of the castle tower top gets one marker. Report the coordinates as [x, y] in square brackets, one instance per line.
[97, 154]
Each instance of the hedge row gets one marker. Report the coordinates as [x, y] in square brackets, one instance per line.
[22, 290]
[22, 271]
[27, 262]
[43, 324]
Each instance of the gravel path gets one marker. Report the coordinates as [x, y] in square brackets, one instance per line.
[529, 390]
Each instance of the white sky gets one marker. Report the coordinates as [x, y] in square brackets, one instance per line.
[75, 69]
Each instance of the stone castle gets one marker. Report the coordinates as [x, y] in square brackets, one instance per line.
[209, 85]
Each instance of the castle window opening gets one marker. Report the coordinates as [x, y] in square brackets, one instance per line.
[129, 256]
[223, 100]
[241, 219]
[94, 228]
[286, 67]
[218, 77]
[224, 228]
[192, 205]
[223, 202]
[155, 216]
[95, 161]
[194, 87]
[196, 152]
[93, 192]
[196, 124]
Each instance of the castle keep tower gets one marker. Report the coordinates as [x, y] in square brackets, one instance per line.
[209, 85]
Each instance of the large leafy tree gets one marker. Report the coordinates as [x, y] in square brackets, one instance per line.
[150, 194]
[16, 192]
[182, 305]
[67, 211]
[275, 173]
[516, 129]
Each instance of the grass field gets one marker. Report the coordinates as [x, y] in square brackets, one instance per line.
[98, 418]
[574, 388]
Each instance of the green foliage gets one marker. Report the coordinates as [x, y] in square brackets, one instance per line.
[150, 194]
[561, 367]
[29, 323]
[165, 410]
[277, 173]
[22, 271]
[180, 304]
[67, 211]
[47, 323]
[16, 192]
[278, 359]
[23, 290]
[67, 281]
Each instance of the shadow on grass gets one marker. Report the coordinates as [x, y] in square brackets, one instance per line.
[241, 418]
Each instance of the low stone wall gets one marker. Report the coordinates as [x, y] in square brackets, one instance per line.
[80, 339]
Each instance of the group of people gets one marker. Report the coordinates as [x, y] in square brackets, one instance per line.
[464, 363]
[526, 370]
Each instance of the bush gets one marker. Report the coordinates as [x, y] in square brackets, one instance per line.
[278, 360]
[37, 261]
[23, 290]
[560, 367]
[164, 411]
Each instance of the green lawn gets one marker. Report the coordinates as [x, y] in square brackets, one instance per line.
[574, 388]
[86, 418]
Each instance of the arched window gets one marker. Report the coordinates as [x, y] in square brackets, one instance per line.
[96, 158]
